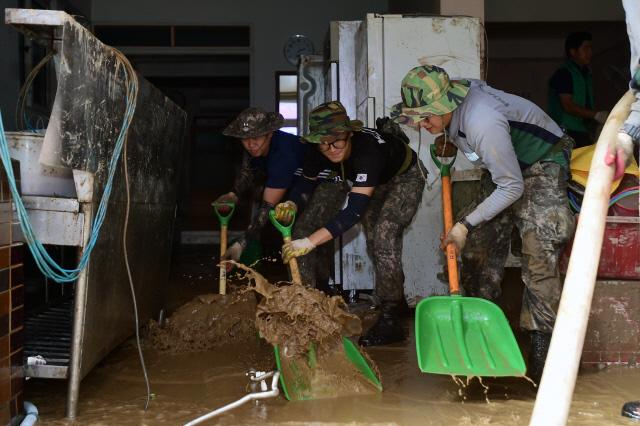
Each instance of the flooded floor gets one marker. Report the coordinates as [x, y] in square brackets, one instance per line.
[186, 386]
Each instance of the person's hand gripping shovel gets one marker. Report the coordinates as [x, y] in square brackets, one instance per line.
[224, 210]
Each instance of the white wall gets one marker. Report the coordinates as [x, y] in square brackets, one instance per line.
[272, 22]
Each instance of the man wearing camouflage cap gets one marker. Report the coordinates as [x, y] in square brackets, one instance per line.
[271, 153]
[387, 180]
[526, 156]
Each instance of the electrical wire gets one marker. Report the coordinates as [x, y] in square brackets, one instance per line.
[126, 255]
[575, 203]
[21, 116]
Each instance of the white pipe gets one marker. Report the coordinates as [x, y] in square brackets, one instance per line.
[31, 416]
[258, 377]
[559, 376]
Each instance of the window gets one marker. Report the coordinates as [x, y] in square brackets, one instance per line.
[287, 100]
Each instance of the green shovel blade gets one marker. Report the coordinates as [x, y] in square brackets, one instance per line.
[465, 336]
[297, 386]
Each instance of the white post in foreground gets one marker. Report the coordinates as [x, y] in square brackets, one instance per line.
[559, 377]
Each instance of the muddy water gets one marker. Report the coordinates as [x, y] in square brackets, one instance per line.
[188, 385]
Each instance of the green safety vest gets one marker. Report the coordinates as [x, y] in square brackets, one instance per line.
[582, 95]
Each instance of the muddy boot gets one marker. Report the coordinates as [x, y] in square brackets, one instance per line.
[538, 355]
[386, 330]
[631, 410]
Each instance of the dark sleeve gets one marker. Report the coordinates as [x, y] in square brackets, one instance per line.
[350, 215]
[244, 179]
[561, 82]
[314, 162]
[301, 191]
[259, 221]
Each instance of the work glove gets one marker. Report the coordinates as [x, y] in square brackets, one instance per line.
[620, 156]
[285, 212]
[445, 148]
[229, 197]
[601, 116]
[296, 248]
[457, 235]
[233, 253]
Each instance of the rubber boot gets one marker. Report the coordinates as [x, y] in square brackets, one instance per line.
[387, 329]
[632, 410]
[538, 355]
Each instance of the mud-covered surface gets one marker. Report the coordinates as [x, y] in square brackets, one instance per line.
[207, 321]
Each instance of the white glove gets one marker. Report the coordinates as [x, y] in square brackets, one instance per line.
[296, 248]
[234, 252]
[601, 116]
[457, 235]
[621, 155]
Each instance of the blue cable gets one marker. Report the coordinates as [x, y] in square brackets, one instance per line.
[48, 266]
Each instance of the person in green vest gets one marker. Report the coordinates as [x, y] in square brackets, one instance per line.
[571, 91]
[524, 154]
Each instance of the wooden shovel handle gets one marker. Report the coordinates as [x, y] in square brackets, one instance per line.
[447, 209]
[222, 283]
[293, 266]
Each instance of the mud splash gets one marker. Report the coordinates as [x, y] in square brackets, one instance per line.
[294, 316]
[208, 321]
[307, 327]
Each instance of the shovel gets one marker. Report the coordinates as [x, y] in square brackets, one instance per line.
[224, 222]
[458, 335]
[295, 384]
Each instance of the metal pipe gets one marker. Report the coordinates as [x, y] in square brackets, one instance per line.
[559, 377]
[256, 377]
[79, 307]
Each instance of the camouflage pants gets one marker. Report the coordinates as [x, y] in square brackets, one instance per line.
[327, 199]
[390, 211]
[545, 223]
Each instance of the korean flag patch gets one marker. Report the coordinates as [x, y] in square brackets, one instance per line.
[361, 177]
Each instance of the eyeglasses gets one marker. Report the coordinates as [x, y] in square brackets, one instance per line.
[337, 144]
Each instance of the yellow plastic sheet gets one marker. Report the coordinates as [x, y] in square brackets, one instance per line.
[581, 161]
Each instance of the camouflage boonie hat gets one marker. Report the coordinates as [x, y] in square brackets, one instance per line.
[253, 122]
[426, 90]
[327, 120]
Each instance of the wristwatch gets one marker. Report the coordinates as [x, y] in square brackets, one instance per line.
[466, 224]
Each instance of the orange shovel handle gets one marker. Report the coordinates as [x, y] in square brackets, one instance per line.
[447, 209]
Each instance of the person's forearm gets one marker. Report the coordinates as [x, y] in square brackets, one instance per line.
[259, 221]
[499, 200]
[244, 179]
[320, 236]
[572, 108]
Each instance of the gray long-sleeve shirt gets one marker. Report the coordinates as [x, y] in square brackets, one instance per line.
[481, 128]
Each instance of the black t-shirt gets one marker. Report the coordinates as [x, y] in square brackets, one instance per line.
[373, 160]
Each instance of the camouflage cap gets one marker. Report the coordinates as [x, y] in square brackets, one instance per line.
[327, 120]
[426, 90]
[253, 122]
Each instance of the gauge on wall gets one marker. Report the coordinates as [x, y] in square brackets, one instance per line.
[295, 46]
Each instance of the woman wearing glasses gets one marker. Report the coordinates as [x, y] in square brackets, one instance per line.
[386, 179]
